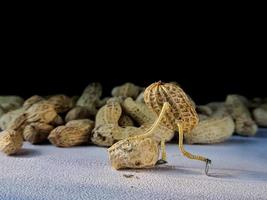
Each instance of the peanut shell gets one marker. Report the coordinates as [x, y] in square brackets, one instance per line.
[10, 142]
[211, 130]
[244, 124]
[37, 132]
[77, 112]
[134, 154]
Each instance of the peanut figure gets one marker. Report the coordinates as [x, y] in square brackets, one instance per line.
[182, 117]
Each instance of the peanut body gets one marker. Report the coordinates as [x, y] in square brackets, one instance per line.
[10, 142]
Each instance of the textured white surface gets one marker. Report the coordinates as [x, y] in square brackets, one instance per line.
[239, 171]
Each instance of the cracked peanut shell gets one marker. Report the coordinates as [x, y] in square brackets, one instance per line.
[134, 154]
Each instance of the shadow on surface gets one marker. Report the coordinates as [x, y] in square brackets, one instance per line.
[27, 153]
[44, 143]
[238, 174]
[220, 175]
[213, 173]
[176, 169]
[166, 169]
[262, 133]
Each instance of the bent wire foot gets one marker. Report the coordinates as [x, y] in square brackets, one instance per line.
[161, 162]
[208, 164]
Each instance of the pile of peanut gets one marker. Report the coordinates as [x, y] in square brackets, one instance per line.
[91, 119]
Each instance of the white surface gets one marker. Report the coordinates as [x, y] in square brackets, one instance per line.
[239, 171]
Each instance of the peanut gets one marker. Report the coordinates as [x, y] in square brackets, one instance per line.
[215, 105]
[203, 109]
[77, 112]
[36, 119]
[126, 90]
[125, 120]
[108, 134]
[140, 98]
[32, 100]
[109, 114]
[129, 131]
[85, 124]
[255, 103]
[61, 103]
[244, 100]
[9, 103]
[90, 97]
[212, 130]
[10, 142]
[182, 111]
[74, 133]
[103, 134]
[36, 133]
[260, 116]
[202, 117]
[139, 112]
[43, 112]
[244, 125]
[190, 99]
[64, 136]
[18, 124]
[115, 99]
[2, 112]
[106, 124]
[218, 109]
[135, 154]
[10, 117]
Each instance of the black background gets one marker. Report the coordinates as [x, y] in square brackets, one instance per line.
[203, 83]
[208, 60]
